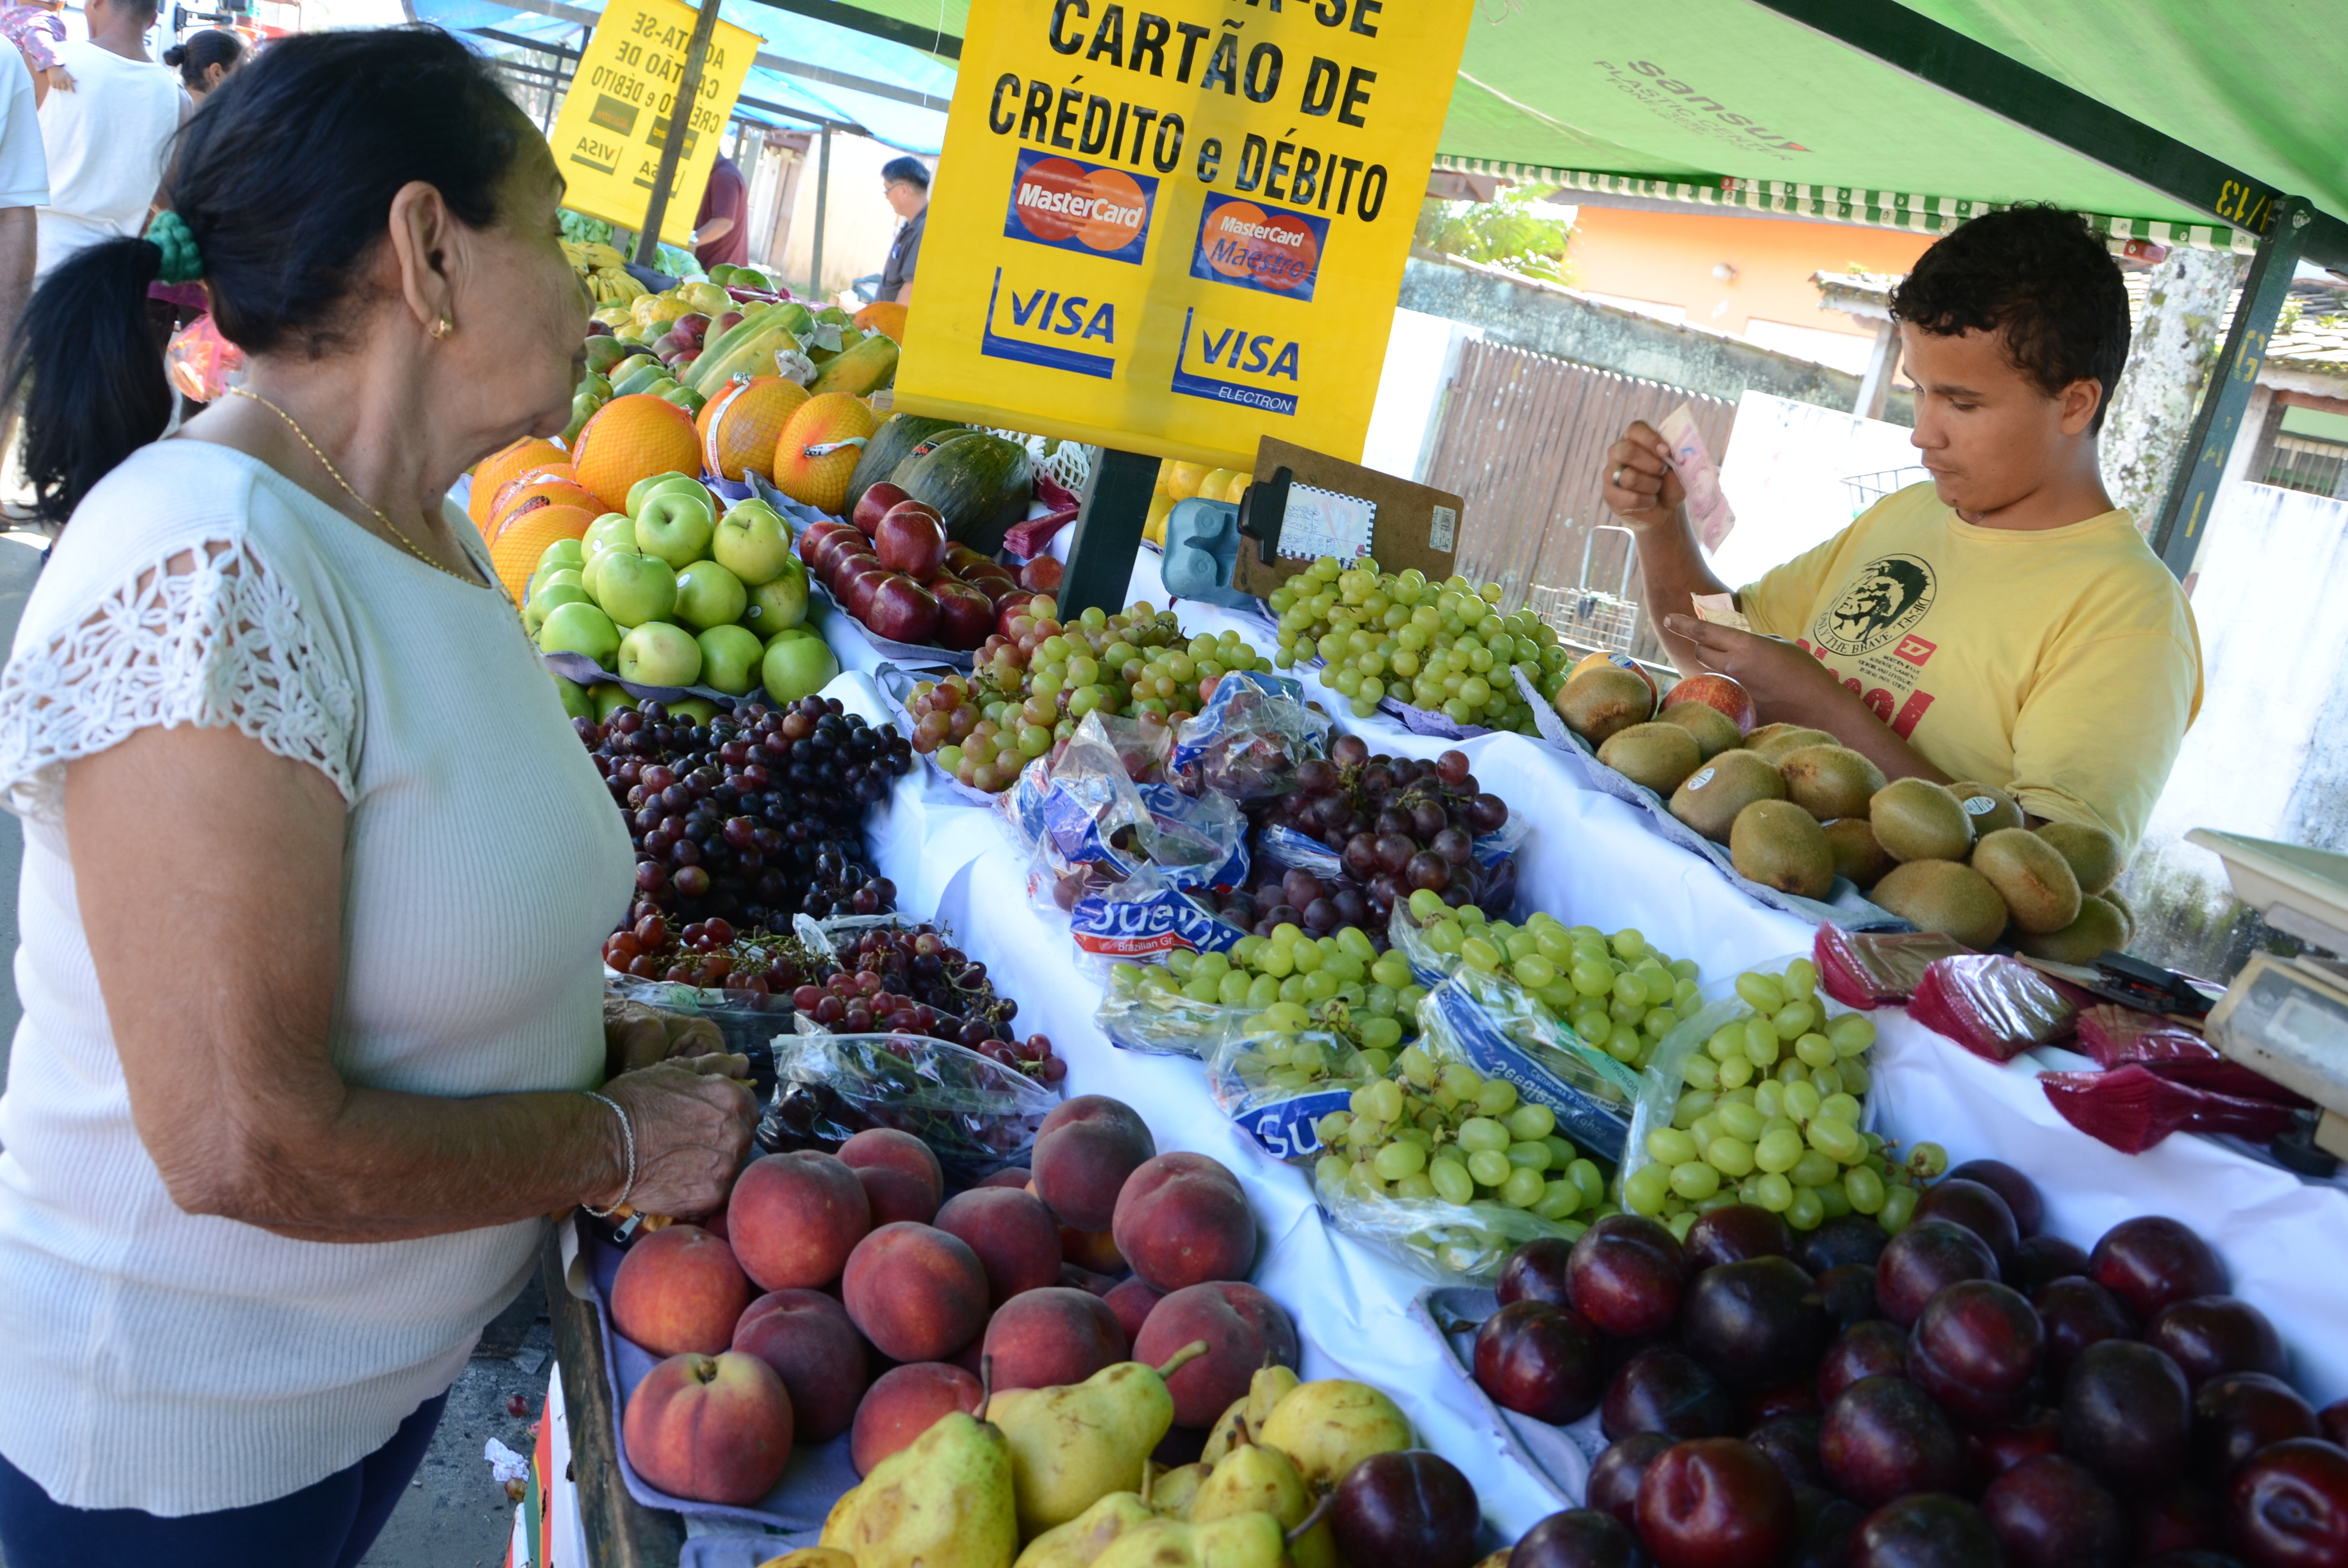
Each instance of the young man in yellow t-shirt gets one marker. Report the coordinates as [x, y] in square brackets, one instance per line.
[2004, 624]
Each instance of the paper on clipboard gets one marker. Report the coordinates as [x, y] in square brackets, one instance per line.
[1707, 506]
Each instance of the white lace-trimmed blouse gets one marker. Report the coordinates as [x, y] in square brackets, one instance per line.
[155, 1359]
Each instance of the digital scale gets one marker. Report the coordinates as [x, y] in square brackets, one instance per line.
[2287, 1018]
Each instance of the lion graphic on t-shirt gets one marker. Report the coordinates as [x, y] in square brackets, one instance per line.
[1887, 596]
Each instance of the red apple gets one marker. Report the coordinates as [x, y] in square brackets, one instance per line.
[716, 1429]
[689, 329]
[727, 321]
[901, 610]
[960, 558]
[847, 560]
[858, 587]
[912, 538]
[874, 505]
[812, 542]
[1041, 575]
[663, 346]
[1719, 691]
[964, 616]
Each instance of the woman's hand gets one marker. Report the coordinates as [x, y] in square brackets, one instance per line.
[636, 1035]
[1641, 488]
[693, 1123]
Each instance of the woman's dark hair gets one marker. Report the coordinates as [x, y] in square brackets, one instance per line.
[285, 181]
[199, 52]
[912, 170]
[2041, 277]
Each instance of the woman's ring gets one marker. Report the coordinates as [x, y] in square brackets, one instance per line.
[1617, 480]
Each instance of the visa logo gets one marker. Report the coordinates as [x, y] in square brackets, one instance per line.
[1206, 349]
[1050, 313]
[1072, 321]
[1251, 355]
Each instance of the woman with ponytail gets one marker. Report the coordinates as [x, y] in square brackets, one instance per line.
[315, 869]
[204, 59]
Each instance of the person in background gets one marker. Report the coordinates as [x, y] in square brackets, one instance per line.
[204, 59]
[719, 235]
[24, 187]
[905, 182]
[109, 137]
[34, 29]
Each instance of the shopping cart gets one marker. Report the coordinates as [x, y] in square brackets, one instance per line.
[1866, 489]
[1592, 618]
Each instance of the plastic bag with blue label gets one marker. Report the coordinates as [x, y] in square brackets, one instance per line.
[1250, 738]
[1142, 920]
[1277, 1076]
[1491, 1024]
[1090, 827]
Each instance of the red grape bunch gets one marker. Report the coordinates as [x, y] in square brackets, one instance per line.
[915, 982]
[709, 953]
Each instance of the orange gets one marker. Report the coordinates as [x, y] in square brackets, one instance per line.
[549, 486]
[631, 439]
[885, 316]
[740, 424]
[525, 538]
[816, 453]
[503, 464]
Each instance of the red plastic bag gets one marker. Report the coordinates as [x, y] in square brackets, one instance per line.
[2133, 1108]
[1996, 1007]
[2225, 1076]
[1866, 972]
[2116, 1036]
[202, 362]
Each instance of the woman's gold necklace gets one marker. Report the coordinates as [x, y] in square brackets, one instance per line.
[348, 489]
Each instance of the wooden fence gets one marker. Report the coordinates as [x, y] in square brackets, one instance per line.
[1523, 440]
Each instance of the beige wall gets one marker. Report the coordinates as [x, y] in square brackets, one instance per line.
[858, 222]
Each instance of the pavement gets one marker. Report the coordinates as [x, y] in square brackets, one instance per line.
[455, 1514]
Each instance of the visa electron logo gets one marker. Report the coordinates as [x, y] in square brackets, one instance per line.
[1258, 247]
[1083, 207]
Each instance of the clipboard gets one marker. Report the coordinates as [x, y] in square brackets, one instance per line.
[1303, 504]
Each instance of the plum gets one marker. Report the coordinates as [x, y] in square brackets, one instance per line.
[1923, 1259]
[1660, 1390]
[1978, 1208]
[1736, 1231]
[1846, 1239]
[1928, 1530]
[1715, 1502]
[2237, 1414]
[1791, 1442]
[2208, 1334]
[1409, 1507]
[1998, 1450]
[2127, 1415]
[2078, 1313]
[1884, 1438]
[2040, 1261]
[1755, 1323]
[2287, 1507]
[1577, 1537]
[1871, 1349]
[2182, 1519]
[2151, 1261]
[1849, 1292]
[2021, 1193]
[2050, 1513]
[1614, 1477]
[1537, 1271]
[1538, 1360]
[1976, 1349]
[1626, 1275]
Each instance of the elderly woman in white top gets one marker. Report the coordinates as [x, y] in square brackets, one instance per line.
[315, 868]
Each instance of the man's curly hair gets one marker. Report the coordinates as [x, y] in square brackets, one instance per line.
[2038, 276]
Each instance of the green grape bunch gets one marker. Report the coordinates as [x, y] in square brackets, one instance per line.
[1770, 1116]
[1339, 982]
[1620, 993]
[1438, 645]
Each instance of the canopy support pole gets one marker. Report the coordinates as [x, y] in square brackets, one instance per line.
[1882, 364]
[822, 195]
[680, 126]
[2201, 465]
[1107, 533]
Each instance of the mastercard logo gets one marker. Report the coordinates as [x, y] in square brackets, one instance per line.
[1270, 249]
[1057, 200]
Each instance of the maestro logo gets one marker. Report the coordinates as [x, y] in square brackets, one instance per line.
[1083, 207]
[1259, 247]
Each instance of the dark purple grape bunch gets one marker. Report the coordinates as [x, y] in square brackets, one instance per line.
[1397, 824]
[913, 980]
[753, 816]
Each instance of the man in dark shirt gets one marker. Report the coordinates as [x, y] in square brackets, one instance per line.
[905, 181]
[719, 235]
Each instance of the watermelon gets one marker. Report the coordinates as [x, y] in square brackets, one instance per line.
[892, 444]
[980, 484]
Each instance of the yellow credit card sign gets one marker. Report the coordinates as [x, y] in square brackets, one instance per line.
[1179, 226]
[617, 116]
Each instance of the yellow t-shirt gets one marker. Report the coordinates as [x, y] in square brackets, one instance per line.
[2061, 665]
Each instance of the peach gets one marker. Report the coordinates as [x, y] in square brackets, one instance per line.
[679, 1289]
[887, 1147]
[895, 1196]
[794, 1218]
[1094, 1250]
[1242, 1326]
[1074, 1278]
[1050, 1337]
[1182, 1220]
[714, 1429]
[1017, 1176]
[1012, 1234]
[1084, 1153]
[915, 1291]
[805, 1338]
[904, 1402]
[1132, 1301]
[1719, 691]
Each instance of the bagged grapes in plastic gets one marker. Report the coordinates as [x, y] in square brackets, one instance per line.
[1276, 1076]
[1192, 999]
[1144, 919]
[1250, 738]
[1862, 970]
[1996, 1007]
[2116, 1036]
[2133, 1108]
[976, 1115]
[1090, 824]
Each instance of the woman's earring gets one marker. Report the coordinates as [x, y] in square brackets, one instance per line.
[442, 328]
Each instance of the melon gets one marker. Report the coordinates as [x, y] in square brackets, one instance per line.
[817, 454]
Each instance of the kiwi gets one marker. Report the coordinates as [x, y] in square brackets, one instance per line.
[1778, 844]
[2111, 896]
[1990, 807]
[1857, 855]
[1829, 781]
[2094, 853]
[1599, 702]
[2101, 928]
[1715, 731]
[1656, 755]
[1917, 819]
[1943, 896]
[1776, 742]
[2034, 879]
[1714, 793]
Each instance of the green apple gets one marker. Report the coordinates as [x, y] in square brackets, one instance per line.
[548, 599]
[580, 629]
[577, 701]
[699, 709]
[612, 528]
[752, 542]
[780, 604]
[643, 488]
[634, 588]
[563, 553]
[729, 659]
[709, 595]
[794, 668]
[677, 526]
[584, 407]
[561, 576]
[659, 653]
[610, 696]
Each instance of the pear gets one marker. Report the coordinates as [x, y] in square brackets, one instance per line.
[1242, 1540]
[1329, 1426]
[944, 1503]
[1072, 1446]
[1083, 1539]
[1172, 1493]
[1256, 1477]
[1243, 1420]
[811, 1557]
